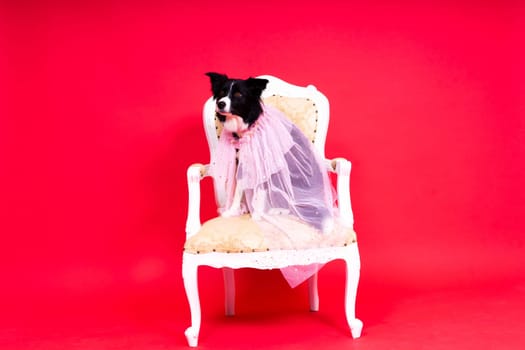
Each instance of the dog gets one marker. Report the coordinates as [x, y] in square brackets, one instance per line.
[295, 181]
[238, 101]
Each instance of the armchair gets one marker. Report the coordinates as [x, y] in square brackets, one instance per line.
[237, 242]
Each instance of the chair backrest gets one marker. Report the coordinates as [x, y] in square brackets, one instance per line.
[306, 107]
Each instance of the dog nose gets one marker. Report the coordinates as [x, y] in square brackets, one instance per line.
[221, 104]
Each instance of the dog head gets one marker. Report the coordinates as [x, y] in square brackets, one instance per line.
[238, 101]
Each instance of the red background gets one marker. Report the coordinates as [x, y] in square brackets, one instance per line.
[101, 114]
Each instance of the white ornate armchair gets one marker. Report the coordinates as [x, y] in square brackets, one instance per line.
[236, 242]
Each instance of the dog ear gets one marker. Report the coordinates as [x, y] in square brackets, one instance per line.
[257, 85]
[217, 81]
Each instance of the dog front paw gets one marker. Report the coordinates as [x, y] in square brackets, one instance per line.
[230, 213]
[256, 215]
[328, 225]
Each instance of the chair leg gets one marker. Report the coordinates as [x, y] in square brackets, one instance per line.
[189, 274]
[352, 281]
[313, 293]
[229, 291]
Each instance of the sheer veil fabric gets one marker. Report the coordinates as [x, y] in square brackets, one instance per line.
[285, 186]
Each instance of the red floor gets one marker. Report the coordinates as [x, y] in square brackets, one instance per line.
[477, 317]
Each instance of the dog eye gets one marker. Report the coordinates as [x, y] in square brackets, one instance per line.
[237, 94]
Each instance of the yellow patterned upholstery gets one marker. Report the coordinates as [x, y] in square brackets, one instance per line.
[241, 234]
[301, 111]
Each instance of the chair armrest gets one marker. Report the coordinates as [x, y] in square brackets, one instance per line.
[195, 173]
[342, 167]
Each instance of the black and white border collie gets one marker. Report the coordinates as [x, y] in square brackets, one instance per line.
[238, 106]
[238, 102]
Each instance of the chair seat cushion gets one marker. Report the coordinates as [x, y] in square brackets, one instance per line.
[242, 234]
